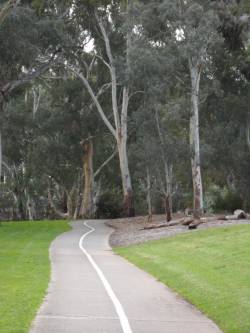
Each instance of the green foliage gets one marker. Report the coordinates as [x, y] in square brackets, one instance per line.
[222, 199]
[110, 205]
[44, 148]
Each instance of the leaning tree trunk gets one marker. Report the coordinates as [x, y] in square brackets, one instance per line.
[195, 73]
[87, 209]
[128, 200]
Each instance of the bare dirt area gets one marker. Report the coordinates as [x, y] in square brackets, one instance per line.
[128, 231]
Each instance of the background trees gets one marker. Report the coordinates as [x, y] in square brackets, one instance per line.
[97, 96]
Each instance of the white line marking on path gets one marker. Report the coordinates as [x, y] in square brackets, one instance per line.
[118, 307]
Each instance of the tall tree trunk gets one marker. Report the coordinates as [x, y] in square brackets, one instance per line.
[120, 131]
[168, 209]
[195, 73]
[29, 207]
[70, 206]
[20, 207]
[119, 128]
[78, 199]
[128, 200]
[168, 195]
[87, 209]
[168, 172]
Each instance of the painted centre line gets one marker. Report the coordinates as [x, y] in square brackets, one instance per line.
[118, 307]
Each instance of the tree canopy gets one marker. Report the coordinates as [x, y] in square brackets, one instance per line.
[105, 103]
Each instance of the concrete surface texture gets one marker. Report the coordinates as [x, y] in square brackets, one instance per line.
[77, 301]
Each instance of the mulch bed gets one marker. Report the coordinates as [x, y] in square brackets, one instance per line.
[129, 231]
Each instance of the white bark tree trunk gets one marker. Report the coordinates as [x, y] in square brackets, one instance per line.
[119, 129]
[128, 202]
[168, 194]
[30, 208]
[195, 73]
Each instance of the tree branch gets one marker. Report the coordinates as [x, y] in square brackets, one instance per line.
[94, 98]
[97, 172]
[32, 75]
[52, 204]
[112, 72]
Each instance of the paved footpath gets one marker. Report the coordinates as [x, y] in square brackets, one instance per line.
[92, 290]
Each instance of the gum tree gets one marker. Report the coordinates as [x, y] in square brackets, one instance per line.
[112, 37]
[190, 28]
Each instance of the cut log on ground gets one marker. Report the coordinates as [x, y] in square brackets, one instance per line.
[161, 225]
[195, 224]
[187, 220]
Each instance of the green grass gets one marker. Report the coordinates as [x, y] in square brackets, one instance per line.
[24, 270]
[210, 268]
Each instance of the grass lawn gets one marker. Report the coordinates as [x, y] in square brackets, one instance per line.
[24, 270]
[210, 268]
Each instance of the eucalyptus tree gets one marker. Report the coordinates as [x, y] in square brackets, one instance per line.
[190, 28]
[107, 69]
[227, 111]
[26, 55]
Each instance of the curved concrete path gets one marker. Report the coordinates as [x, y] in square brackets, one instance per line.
[77, 301]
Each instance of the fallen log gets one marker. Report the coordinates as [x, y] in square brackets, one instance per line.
[187, 221]
[195, 224]
[154, 226]
[221, 218]
[161, 225]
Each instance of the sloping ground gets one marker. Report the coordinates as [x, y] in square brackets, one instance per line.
[24, 270]
[210, 268]
[92, 290]
[129, 231]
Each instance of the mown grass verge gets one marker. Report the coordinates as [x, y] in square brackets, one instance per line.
[24, 270]
[209, 268]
